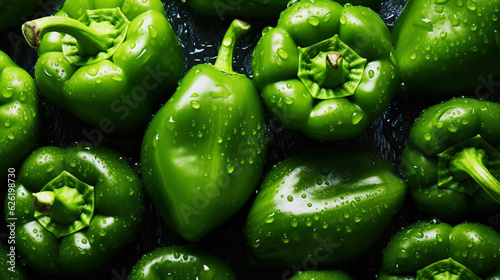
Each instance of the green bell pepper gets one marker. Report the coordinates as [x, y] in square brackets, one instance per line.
[318, 208]
[204, 151]
[452, 161]
[19, 117]
[12, 12]
[115, 63]
[253, 8]
[9, 265]
[180, 262]
[325, 69]
[74, 208]
[321, 275]
[448, 48]
[435, 251]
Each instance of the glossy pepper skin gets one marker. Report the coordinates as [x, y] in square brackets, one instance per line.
[19, 117]
[430, 250]
[12, 12]
[447, 48]
[204, 151]
[252, 8]
[325, 69]
[321, 275]
[75, 208]
[180, 262]
[451, 160]
[321, 206]
[125, 58]
[10, 268]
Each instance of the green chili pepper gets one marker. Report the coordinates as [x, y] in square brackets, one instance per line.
[204, 151]
[253, 8]
[451, 160]
[75, 208]
[12, 12]
[19, 117]
[180, 262]
[432, 251]
[325, 69]
[447, 48]
[320, 207]
[116, 61]
[10, 268]
[321, 275]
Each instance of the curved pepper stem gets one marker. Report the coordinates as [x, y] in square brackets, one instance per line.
[224, 60]
[63, 205]
[447, 269]
[471, 161]
[95, 36]
[90, 42]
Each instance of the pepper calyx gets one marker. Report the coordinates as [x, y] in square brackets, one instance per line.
[65, 205]
[447, 269]
[330, 69]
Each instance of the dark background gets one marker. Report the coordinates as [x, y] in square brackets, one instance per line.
[200, 37]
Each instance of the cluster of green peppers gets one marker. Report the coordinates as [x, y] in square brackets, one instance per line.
[326, 70]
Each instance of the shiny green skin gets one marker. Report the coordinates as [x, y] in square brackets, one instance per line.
[12, 12]
[117, 216]
[475, 246]
[321, 275]
[204, 151]
[285, 95]
[252, 8]
[447, 48]
[19, 117]
[116, 95]
[319, 207]
[180, 262]
[427, 139]
[5, 273]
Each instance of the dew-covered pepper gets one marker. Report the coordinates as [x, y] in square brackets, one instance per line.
[107, 62]
[180, 262]
[435, 251]
[452, 161]
[19, 117]
[325, 69]
[330, 207]
[74, 209]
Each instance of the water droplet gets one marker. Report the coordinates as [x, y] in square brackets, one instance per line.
[152, 30]
[289, 198]
[195, 104]
[282, 53]
[227, 41]
[413, 56]
[356, 118]
[314, 21]
[471, 5]
[269, 219]
[229, 168]
[371, 73]
[343, 20]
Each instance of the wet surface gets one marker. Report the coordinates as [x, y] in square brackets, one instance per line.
[200, 37]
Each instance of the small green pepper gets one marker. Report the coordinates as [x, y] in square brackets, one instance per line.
[180, 262]
[117, 60]
[74, 208]
[321, 275]
[253, 8]
[19, 117]
[12, 12]
[447, 47]
[435, 251]
[204, 151]
[325, 69]
[9, 265]
[452, 161]
[319, 207]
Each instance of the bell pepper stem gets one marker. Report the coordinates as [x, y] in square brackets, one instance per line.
[470, 161]
[43, 201]
[224, 60]
[89, 41]
[334, 59]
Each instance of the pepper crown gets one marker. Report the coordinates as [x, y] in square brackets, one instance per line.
[65, 205]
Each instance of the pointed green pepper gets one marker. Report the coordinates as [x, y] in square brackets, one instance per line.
[204, 151]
